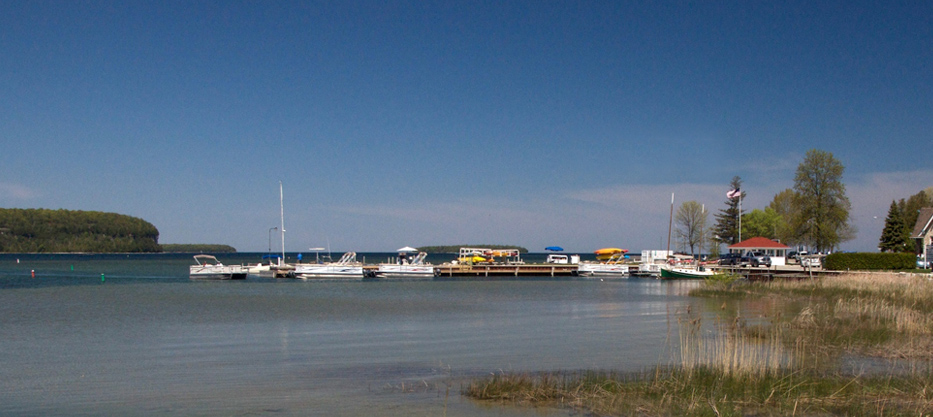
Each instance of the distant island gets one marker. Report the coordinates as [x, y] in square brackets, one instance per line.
[456, 248]
[44, 230]
[196, 248]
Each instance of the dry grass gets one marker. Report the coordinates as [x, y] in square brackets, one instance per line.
[787, 366]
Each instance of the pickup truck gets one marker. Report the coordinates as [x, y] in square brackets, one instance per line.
[730, 259]
[755, 259]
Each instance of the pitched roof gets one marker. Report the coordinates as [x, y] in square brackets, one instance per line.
[759, 243]
[923, 222]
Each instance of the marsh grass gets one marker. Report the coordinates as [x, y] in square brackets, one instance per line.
[787, 364]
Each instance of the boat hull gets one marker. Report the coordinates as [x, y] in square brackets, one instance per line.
[218, 276]
[682, 273]
[216, 271]
[405, 271]
[603, 270]
[328, 272]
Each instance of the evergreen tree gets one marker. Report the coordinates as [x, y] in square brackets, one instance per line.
[726, 229]
[896, 236]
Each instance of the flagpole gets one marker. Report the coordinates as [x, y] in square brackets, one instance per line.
[670, 224]
[740, 216]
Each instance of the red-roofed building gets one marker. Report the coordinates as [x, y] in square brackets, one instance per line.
[776, 250]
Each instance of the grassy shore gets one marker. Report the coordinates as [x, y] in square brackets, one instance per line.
[806, 354]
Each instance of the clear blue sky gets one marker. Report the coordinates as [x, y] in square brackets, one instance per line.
[420, 123]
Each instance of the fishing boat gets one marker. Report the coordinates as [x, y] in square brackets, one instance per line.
[345, 268]
[404, 267]
[675, 272]
[208, 267]
[612, 267]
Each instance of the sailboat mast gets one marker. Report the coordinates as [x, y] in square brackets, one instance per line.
[282, 214]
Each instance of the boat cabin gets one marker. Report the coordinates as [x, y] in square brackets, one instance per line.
[554, 258]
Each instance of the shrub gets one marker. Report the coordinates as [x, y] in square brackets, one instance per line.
[870, 261]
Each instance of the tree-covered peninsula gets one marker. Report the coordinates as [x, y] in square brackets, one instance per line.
[44, 230]
[197, 248]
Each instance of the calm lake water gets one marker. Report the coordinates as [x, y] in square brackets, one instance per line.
[143, 339]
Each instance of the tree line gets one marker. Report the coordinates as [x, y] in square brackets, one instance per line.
[45, 230]
[197, 248]
[902, 216]
[815, 212]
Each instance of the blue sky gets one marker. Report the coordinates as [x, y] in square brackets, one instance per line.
[422, 123]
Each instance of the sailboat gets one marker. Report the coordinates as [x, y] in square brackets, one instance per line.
[671, 271]
[281, 269]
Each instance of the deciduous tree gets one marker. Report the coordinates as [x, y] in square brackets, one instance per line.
[910, 208]
[691, 224]
[783, 205]
[821, 202]
[761, 223]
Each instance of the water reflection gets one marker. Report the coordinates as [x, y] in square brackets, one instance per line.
[137, 345]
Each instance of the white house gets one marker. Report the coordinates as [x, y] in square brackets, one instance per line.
[923, 234]
[776, 250]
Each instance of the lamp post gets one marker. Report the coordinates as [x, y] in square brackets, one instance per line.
[270, 237]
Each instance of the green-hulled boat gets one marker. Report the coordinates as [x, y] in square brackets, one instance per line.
[685, 273]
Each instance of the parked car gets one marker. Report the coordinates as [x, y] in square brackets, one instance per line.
[796, 256]
[756, 259]
[730, 259]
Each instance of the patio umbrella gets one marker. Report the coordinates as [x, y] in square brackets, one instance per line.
[554, 248]
[407, 249]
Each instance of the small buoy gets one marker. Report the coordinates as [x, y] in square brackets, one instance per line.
[72, 267]
[17, 260]
[101, 277]
[33, 273]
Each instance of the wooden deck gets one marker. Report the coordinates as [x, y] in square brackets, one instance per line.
[552, 270]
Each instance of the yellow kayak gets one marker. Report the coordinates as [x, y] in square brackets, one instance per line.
[475, 259]
[606, 253]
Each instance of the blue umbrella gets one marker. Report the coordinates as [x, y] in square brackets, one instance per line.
[554, 248]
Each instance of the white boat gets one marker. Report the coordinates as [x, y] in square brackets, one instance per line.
[346, 268]
[612, 267]
[261, 268]
[649, 269]
[405, 268]
[208, 267]
[651, 262]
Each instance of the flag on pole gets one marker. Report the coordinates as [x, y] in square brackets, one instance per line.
[733, 193]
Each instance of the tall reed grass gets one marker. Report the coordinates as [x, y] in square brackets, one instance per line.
[788, 364]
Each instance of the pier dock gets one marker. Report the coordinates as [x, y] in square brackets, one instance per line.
[463, 270]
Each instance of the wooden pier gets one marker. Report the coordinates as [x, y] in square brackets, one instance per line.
[464, 270]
